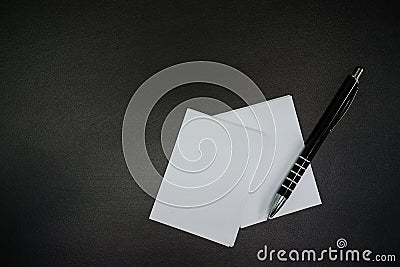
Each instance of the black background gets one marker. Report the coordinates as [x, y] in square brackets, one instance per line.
[68, 71]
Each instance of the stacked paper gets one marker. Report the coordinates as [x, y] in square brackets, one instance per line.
[224, 171]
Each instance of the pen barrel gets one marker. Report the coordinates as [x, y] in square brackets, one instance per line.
[293, 176]
[329, 118]
[334, 112]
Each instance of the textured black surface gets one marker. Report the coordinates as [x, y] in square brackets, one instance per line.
[68, 71]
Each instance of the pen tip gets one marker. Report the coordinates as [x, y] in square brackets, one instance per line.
[357, 72]
[272, 214]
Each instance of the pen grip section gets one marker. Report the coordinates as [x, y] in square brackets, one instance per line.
[293, 177]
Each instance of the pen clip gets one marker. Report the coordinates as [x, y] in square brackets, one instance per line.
[343, 111]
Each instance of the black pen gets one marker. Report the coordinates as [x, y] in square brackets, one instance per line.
[335, 111]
